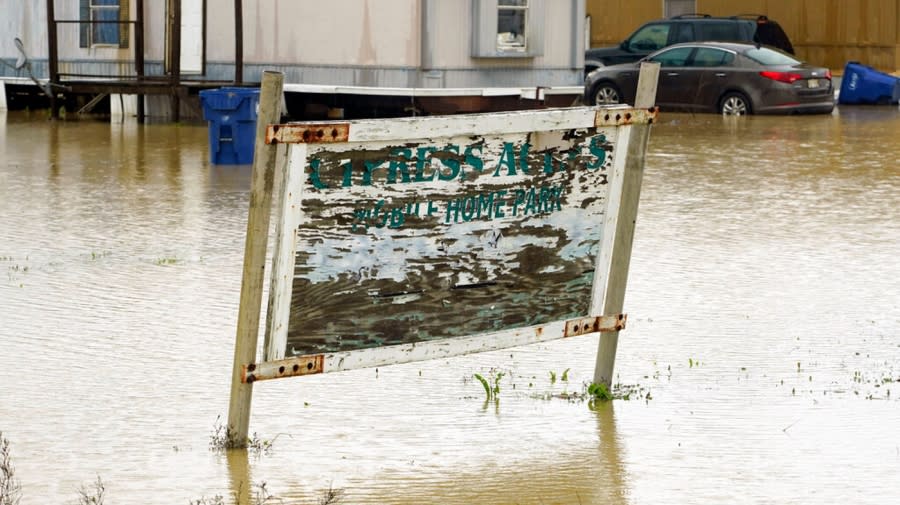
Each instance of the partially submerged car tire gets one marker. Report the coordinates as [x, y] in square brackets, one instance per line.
[605, 93]
[735, 103]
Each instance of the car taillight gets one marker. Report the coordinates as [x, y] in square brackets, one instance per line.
[828, 74]
[787, 77]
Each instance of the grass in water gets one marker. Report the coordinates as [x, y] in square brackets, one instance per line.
[92, 494]
[10, 487]
[224, 438]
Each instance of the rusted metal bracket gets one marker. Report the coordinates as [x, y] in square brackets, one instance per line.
[585, 325]
[290, 367]
[306, 132]
[618, 117]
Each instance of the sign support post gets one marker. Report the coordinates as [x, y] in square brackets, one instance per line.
[259, 215]
[625, 217]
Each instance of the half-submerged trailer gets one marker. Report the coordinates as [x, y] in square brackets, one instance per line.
[408, 239]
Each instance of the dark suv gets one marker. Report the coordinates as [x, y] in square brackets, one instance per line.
[689, 28]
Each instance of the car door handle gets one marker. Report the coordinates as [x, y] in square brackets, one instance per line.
[721, 74]
[672, 74]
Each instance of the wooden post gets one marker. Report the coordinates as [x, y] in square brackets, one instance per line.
[139, 54]
[176, 61]
[52, 58]
[625, 216]
[238, 42]
[261, 189]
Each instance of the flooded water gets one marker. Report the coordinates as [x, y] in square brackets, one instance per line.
[763, 337]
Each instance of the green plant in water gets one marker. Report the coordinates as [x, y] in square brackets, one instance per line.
[563, 377]
[600, 391]
[491, 384]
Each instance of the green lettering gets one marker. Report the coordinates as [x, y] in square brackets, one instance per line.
[432, 208]
[530, 204]
[508, 158]
[597, 150]
[314, 174]
[498, 209]
[518, 200]
[371, 166]
[399, 157]
[548, 163]
[451, 162]
[472, 159]
[453, 206]
[423, 160]
[485, 203]
[348, 172]
[557, 197]
[523, 157]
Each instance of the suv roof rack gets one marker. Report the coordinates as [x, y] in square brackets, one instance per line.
[691, 16]
[760, 18]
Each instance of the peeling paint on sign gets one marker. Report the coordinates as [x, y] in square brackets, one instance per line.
[425, 236]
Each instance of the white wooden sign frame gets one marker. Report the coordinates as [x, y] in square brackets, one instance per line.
[271, 163]
[302, 137]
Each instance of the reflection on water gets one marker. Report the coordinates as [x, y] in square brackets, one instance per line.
[764, 308]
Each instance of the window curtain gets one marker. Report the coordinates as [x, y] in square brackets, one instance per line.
[85, 29]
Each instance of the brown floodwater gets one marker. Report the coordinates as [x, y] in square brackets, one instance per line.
[763, 340]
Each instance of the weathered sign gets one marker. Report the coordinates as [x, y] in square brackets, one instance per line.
[408, 239]
[415, 238]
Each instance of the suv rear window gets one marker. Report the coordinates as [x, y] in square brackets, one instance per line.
[771, 34]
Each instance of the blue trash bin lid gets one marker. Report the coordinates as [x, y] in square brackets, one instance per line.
[229, 98]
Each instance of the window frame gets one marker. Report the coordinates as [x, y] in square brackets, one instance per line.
[485, 30]
[674, 8]
[650, 28]
[520, 6]
[690, 54]
[726, 57]
[87, 13]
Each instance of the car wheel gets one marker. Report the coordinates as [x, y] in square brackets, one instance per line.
[606, 94]
[735, 104]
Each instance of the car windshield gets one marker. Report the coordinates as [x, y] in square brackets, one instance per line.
[765, 56]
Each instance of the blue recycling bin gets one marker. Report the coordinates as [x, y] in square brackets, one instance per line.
[862, 84]
[232, 114]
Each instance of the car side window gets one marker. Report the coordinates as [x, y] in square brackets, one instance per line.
[684, 32]
[712, 57]
[677, 57]
[650, 37]
[719, 31]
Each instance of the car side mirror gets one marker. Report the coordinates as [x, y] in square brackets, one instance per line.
[624, 45]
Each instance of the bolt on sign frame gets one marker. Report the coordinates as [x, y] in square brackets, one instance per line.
[408, 239]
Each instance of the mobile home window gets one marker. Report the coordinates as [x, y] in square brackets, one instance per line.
[679, 7]
[507, 28]
[109, 32]
[512, 25]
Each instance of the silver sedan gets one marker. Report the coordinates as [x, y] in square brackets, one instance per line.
[721, 77]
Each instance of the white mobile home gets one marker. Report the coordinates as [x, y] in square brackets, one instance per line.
[407, 44]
